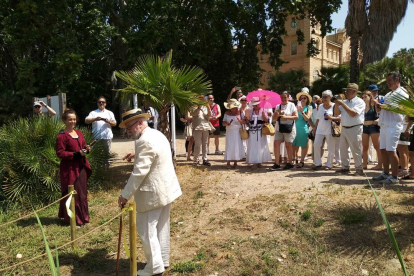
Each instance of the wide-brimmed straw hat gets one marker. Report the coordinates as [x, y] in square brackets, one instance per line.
[300, 94]
[255, 101]
[232, 103]
[133, 115]
[352, 86]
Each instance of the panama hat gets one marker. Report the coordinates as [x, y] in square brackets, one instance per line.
[133, 115]
[303, 93]
[352, 86]
[232, 103]
[255, 101]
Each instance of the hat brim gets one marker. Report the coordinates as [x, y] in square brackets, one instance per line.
[346, 88]
[143, 115]
[231, 105]
[300, 94]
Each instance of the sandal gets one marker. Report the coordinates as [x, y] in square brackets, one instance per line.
[300, 164]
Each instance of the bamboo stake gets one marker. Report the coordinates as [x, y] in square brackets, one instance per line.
[133, 239]
[73, 218]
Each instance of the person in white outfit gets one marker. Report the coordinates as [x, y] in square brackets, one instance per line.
[102, 121]
[232, 121]
[154, 185]
[323, 130]
[352, 112]
[257, 147]
[391, 124]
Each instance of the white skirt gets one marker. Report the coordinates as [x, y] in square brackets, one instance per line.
[234, 146]
[257, 148]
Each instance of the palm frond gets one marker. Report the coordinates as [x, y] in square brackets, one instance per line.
[400, 104]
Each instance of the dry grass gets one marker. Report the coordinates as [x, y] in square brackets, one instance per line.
[238, 223]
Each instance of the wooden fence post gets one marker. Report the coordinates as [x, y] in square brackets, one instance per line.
[133, 239]
[73, 219]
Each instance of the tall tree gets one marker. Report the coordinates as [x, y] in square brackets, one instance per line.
[371, 25]
[291, 81]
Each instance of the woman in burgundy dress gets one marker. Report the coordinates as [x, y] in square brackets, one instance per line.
[71, 148]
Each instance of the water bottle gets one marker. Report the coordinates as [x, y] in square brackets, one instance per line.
[324, 114]
[381, 101]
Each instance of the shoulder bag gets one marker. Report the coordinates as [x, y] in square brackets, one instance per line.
[285, 128]
[268, 129]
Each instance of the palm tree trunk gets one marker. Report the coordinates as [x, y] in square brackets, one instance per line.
[164, 125]
[354, 62]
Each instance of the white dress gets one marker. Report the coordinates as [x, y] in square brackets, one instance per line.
[234, 146]
[257, 148]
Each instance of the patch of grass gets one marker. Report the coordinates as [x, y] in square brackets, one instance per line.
[187, 267]
[348, 217]
[293, 252]
[306, 215]
[200, 194]
[318, 223]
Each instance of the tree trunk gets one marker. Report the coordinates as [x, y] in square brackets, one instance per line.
[164, 125]
[354, 63]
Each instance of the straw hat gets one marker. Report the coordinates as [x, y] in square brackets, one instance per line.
[303, 93]
[232, 103]
[352, 86]
[255, 101]
[132, 115]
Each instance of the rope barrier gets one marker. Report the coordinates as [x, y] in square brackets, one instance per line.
[30, 214]
[66, 244]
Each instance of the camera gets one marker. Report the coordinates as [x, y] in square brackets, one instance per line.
[336, 97]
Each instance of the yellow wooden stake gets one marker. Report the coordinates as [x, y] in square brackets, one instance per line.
[133, 238]
[73, 218]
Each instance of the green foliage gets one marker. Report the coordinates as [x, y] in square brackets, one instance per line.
[292, 81]
[54, 268]
[163, 85]
[351, 217]
[376, 73]
[29, 167]
[74, 47]
[332, 78]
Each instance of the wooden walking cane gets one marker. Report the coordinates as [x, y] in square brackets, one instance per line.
[119, 246]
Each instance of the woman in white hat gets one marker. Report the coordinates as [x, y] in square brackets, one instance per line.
[232, 121]
[302, 129]
[243, 108]
[257, 148]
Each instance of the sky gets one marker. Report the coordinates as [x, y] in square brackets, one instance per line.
[403, 38]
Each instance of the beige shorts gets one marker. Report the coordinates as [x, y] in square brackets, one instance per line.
[286, 137]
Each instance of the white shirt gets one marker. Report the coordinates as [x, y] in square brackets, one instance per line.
[392, 119]
[289, 108]
[356, 104]
[100, 129]
[324, 126]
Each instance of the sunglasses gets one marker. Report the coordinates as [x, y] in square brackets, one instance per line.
[211, 98]
[304, 98]
[37, 106]
[101, 102]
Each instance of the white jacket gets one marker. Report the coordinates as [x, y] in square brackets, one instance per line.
[153, 182]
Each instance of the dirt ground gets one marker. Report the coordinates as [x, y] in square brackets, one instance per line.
[295, 222]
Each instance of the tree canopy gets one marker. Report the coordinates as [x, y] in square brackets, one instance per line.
[47, 47]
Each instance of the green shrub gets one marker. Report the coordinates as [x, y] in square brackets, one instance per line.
[29, 167]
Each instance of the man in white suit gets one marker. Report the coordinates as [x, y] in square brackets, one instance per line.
[154, 185]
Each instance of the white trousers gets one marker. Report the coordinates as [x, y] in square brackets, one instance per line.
[318, 149]
[153, 228]
[337, 149]
[351, 138]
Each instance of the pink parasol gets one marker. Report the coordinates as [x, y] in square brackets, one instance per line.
[268, 99]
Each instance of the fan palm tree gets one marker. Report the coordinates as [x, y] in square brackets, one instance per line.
[163, 85]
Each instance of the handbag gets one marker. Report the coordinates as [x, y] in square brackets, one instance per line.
[244, 134]
[336, 129]
[285, 128]
[188, 130]
[268, 129]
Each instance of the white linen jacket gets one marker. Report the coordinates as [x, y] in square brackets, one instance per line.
[153, 181]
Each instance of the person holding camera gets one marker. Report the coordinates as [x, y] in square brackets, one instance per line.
[102, 121]
[352, 112]
[391, 124]
[153, 119]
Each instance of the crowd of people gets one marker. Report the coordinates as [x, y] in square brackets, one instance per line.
[351, 125]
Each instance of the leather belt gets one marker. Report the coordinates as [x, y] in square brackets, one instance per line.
[352, 126]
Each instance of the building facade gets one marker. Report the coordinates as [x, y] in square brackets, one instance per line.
[334, 51]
